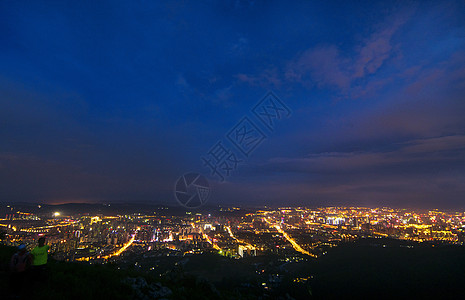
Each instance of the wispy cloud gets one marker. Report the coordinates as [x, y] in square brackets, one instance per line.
[321, 65]
[408, 154]
[376, 49]
[433, 145]
[328, 66]
[269, 78]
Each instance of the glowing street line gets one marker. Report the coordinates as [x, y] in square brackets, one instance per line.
[290, 240]
[238, 240]
[232, 235]
[122, 249]
[215, 246]
[205, 236]
[293, 242]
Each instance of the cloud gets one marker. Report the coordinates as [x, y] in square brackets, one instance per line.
[269, 78]
[239, 47]
[328, 66]
[405, 157]
[376, 49]
[444, 143]
[371, 190]
[223, 96]
[322, 65]
[347, 70]
[418, 172]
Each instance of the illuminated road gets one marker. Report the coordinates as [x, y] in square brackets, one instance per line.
[118, 252]
[206, 237]
[294, 244]
[46, 228]
[126, 246]
[238, 240]
[232, 235]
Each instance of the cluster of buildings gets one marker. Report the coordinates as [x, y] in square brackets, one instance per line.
[232, 232]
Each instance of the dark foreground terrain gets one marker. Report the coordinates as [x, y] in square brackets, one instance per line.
[379, 268]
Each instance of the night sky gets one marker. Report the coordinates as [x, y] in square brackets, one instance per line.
[113, 101]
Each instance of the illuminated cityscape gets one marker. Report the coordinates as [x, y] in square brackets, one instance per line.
[264, 249]
[233, 232]
[234, 149]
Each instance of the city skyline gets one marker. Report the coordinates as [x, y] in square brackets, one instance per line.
[267, 251]
[113, 103]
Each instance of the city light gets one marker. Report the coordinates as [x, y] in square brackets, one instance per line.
[126, 246]
[288, 231]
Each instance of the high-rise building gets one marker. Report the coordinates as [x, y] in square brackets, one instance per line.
[246, 250]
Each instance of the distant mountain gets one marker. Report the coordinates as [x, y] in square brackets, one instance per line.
[71, 209]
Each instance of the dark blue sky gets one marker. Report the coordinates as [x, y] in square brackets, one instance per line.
[113, 101]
